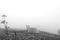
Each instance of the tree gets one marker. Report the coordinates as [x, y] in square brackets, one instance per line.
[5, 24]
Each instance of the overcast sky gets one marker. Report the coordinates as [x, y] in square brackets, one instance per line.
[45, 13]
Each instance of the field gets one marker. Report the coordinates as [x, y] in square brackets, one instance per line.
[25, 35]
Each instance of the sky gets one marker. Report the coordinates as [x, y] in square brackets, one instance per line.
[45, 13]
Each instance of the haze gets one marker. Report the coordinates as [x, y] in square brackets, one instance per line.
[45, 13]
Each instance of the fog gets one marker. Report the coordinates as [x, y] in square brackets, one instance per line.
[45, 13]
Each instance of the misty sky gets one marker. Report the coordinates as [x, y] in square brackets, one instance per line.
[45, 13]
